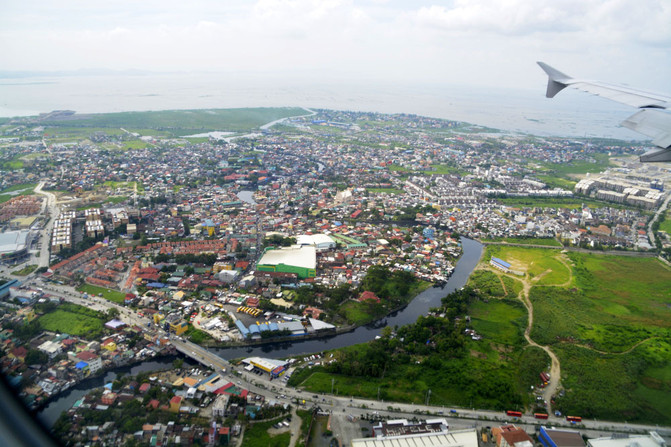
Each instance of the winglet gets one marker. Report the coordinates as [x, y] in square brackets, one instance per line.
[556, 80]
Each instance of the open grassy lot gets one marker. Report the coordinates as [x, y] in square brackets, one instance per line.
[256, 435]
[74, 320]
[22, 189]
[618, 302]
[600, 162]
[617, 387]
[513, 286]
[666, 224]
[487, 282]
[27, 270]
[501, 321]
[128, 185]
[108, 294]
[542, 266]
[134, 144]
[360, 313]
[184, 122]
[557, 182]
[444, 169]
[612, 334]
[607, 318]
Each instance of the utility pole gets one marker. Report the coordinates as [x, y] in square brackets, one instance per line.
[332, 382]
[428, 397]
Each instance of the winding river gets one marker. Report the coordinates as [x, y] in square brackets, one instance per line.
[420, 305]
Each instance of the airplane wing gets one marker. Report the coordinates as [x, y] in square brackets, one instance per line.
[650, 121]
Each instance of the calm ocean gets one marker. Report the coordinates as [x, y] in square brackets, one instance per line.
[571, 113]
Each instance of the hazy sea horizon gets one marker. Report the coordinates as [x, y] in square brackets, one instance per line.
[570, 114]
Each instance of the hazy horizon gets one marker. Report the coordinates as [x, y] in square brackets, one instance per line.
[510, 110]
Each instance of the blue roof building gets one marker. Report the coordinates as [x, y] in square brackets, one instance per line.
[500, 264]
[241, 327]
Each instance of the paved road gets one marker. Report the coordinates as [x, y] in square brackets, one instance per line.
[51, 212]
[279, 391]
[359, 407]
[660, 210]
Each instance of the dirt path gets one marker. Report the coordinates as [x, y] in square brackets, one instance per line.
[636, 345]
[555, 368]
[505, 291]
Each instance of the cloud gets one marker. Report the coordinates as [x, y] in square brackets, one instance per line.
[508, 17]
[462, 41]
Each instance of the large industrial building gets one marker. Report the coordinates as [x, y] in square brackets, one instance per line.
[624, 440]
[14, 246]
[553, 437]
[453, 438]
[299, 260]
[319, 241]
[273, 367]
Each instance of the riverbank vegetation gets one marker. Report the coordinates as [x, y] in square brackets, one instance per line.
[342, 304]
[434, 353]
[607, 318]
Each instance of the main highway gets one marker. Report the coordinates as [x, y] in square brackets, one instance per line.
[341, 405]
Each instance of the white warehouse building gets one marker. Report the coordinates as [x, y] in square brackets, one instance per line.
[319, 241]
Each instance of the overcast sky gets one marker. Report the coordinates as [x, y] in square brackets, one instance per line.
[475, 42]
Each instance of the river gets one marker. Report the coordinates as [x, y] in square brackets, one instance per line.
[420, 305]
[49, 414]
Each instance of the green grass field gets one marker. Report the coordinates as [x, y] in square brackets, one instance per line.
[108, 294]
[541, 265]
[27, 270]
[256, 435]
[601, 162]
[557, 182]
[666, 224]
[356, 312]
[181, 122]
[22, 189]
[480, 381]
[74, 320]
[612, 333]
[501, 321]
[487, 282]
[615, 387]
[513, 286]
[134, 144]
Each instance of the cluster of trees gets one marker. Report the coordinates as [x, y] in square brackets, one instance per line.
[387, 285]
[434, 338]
[277, 240]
